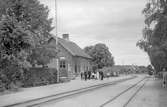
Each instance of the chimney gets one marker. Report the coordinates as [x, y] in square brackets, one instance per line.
[65, 36]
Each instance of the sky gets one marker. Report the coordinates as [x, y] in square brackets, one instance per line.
[117, 23]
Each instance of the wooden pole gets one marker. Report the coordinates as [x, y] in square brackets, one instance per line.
[56, 30]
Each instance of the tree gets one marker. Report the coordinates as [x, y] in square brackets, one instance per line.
[154, 40]
[30, 13]
[15, 42]
[24, 26]
[101, 56]
[42, 55]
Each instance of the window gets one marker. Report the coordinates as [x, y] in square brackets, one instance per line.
[62, 64]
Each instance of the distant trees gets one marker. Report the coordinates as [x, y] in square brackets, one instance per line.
[154, 40]
[101, 56]
[24, 27]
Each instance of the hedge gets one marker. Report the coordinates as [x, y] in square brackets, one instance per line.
[39, 76]
[31, 77]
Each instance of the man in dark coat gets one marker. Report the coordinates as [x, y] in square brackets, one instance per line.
[85, 75]
[89, 74]
[101, 75]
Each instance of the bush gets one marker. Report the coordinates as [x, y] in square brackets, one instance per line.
[31, 77]
[39, 77]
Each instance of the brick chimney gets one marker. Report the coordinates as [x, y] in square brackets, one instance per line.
[65, 36]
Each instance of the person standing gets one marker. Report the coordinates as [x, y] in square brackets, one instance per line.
[97, 74]
[82, 74]
[164, 75]
[101, 75]
[89, 74]
[85, 75]
[93, 75]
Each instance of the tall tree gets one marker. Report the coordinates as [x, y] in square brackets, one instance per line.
[15, 43]
[101, 55]
[31, 13]
[24, 26]
[154, 40]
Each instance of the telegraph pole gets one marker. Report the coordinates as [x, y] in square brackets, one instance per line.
[56, 30]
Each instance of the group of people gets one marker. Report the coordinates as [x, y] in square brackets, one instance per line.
[87, 75]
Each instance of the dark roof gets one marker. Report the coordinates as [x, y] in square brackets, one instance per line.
[73, 48]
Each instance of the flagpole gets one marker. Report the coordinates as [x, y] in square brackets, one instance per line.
[56, 30]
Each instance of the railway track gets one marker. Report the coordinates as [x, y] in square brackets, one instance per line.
[134, 89]
[39, 101]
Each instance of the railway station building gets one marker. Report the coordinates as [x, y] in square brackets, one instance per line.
[71, 58]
